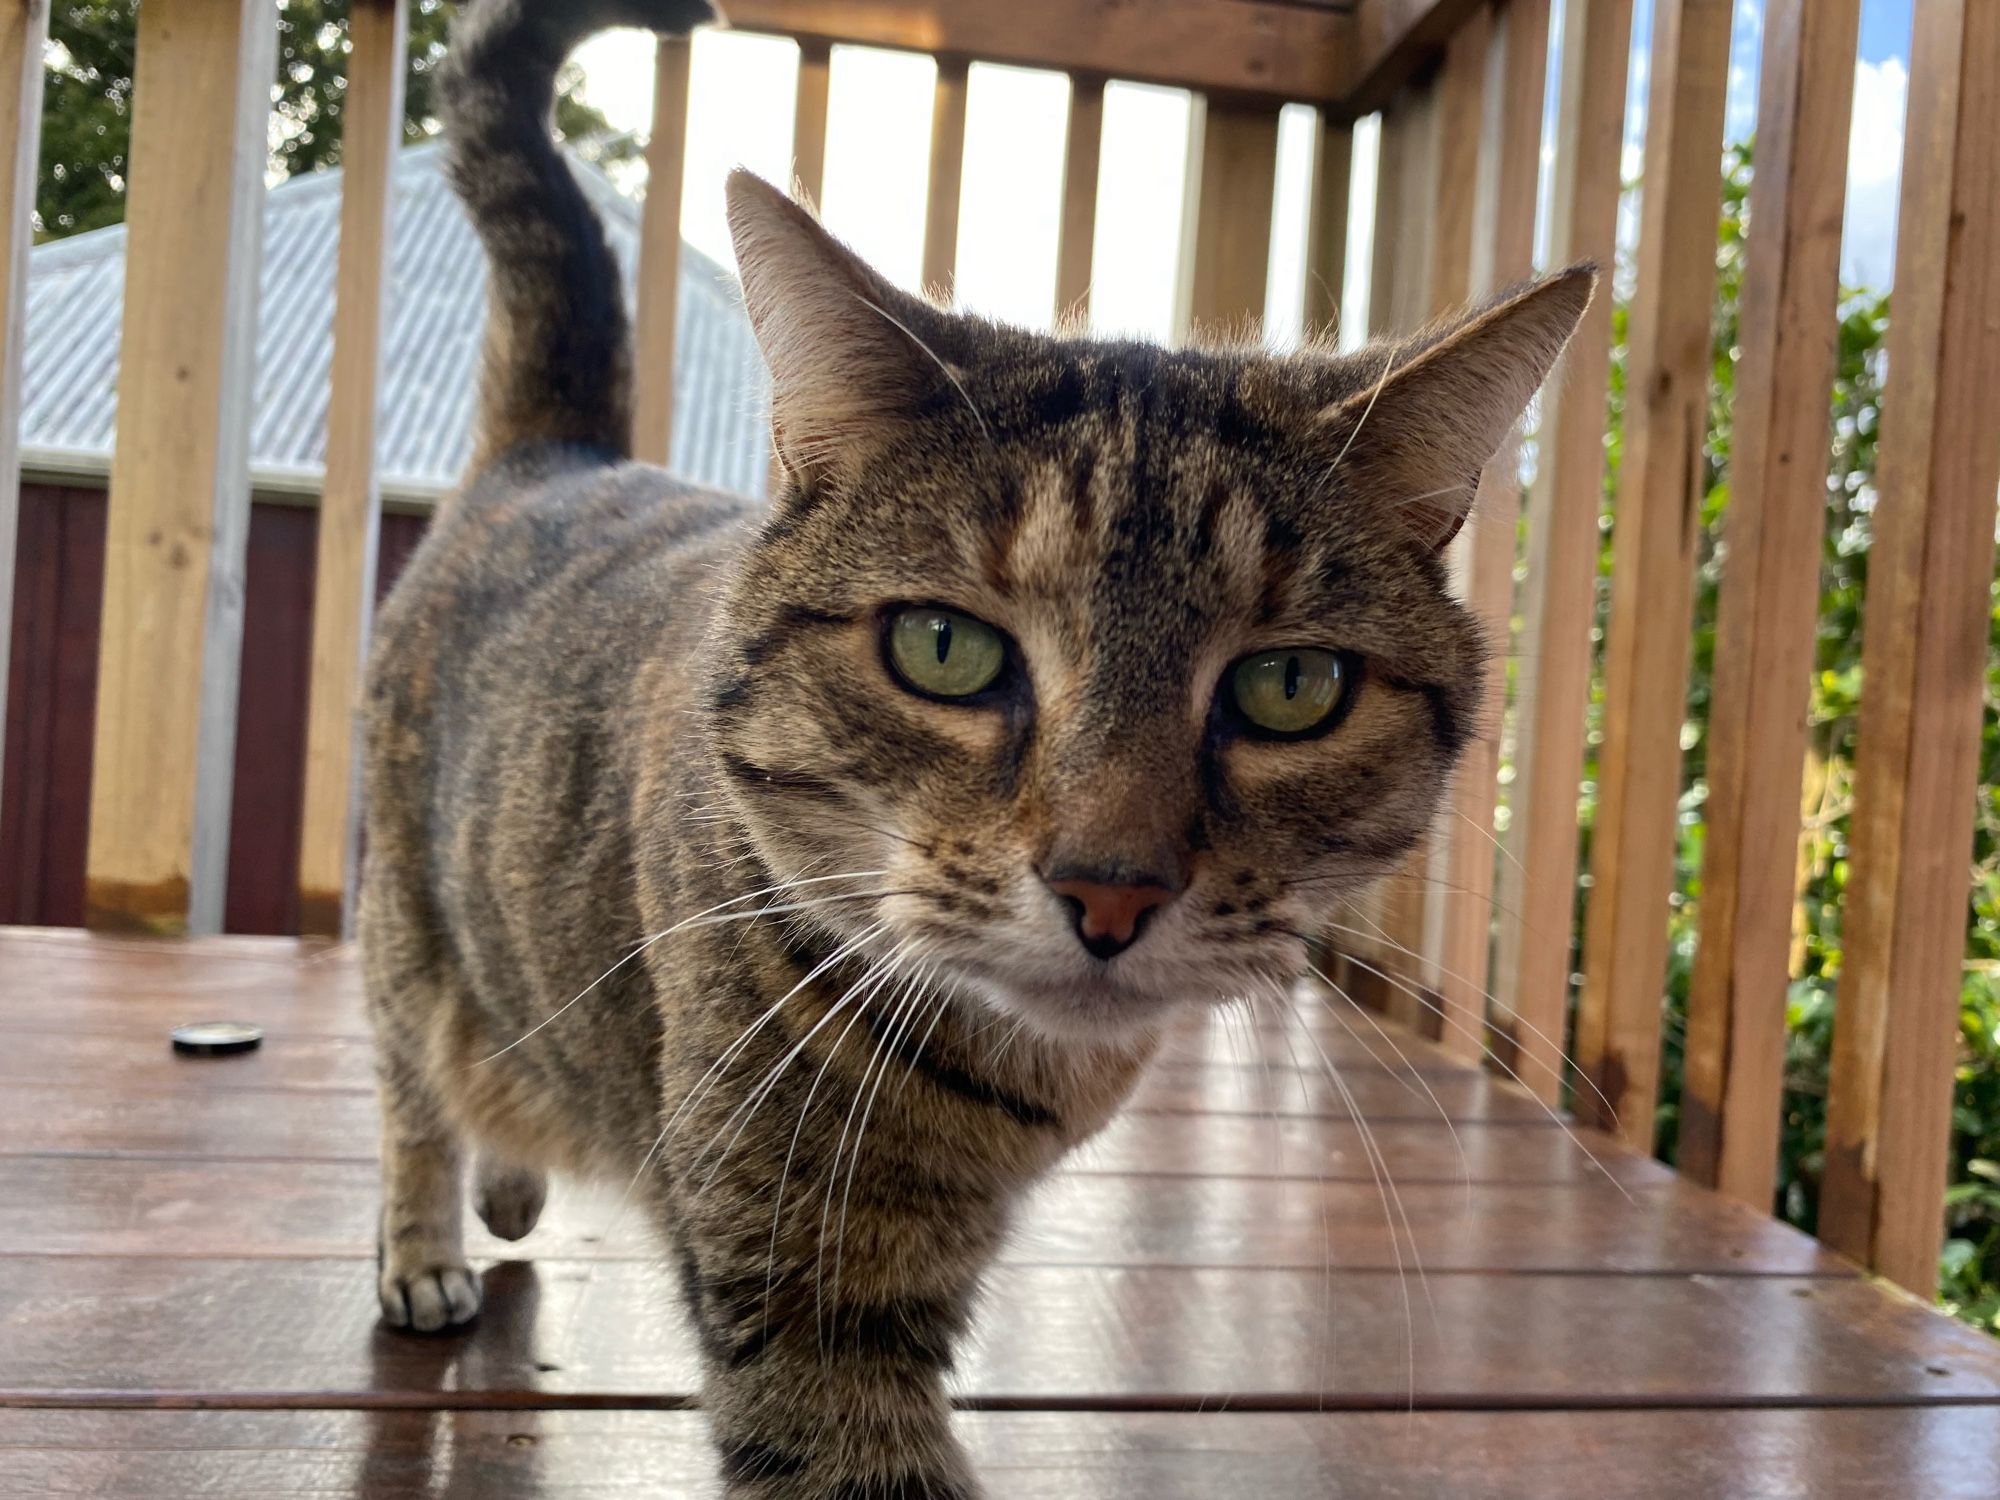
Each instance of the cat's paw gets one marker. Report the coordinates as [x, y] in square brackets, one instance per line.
[510, 1199]
[429, 1299]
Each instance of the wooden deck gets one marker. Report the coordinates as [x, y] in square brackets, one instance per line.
[1209, 1303]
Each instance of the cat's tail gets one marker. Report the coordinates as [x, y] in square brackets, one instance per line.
[558, 359]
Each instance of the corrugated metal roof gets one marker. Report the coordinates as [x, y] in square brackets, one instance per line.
[435, 309]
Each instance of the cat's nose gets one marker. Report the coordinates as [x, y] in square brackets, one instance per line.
[1110, 913]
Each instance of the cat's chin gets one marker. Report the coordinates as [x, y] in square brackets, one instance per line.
[1097, 1012]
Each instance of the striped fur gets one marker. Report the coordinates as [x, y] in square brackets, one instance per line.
[603, 703]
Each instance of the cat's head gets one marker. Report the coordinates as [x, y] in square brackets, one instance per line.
[1121, 664]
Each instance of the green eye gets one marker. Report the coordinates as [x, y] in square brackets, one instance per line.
[944, 653]
[1287, 692]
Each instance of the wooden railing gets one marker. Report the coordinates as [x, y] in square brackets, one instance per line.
[1454, 216]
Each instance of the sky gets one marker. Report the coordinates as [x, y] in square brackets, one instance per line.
[879, 133]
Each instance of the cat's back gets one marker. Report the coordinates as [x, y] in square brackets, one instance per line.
[552, 573]
[554, 594]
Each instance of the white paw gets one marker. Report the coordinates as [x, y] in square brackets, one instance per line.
[429, 1299]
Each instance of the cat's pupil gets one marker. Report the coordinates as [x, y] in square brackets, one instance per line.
[943, 629]
[1291, 678]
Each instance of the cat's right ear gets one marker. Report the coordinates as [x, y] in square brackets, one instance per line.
[850, 355]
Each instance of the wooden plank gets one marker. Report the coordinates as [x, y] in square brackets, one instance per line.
[1270, 50]
[1658, 523]
[812, 98]
[1503, 249]
[1925, 662]
[316, 1065]
[350, 506]
[1399, 291]
[947, 180]
[1232, 228]
[660, 256]
[1768, 615]
[1538, 881]
[180, 482]
[1940, 1453]
[310, 1209]
[1326, 226]
[1394, 40]
[809, 117]
[251, 1125]
[1447, 203]
[1392, 154]
[1453, 185]
[24, 29]
[1077, 232]
[563, 1333]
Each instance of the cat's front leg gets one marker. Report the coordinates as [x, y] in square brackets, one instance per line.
[809, 1398]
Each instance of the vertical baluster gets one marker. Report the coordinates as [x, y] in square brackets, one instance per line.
[660, 256]
[179, 506]
[815, 90]
[947, 177]
[1658, 525]
[350, 503]
[1326, 225]
[1923, 665]
[1538, 885]
[24, 29]
[1444, 202]
[1769, 606]
[1398, 298]
[1232, 209]
[1503, 252]
[1079, 200]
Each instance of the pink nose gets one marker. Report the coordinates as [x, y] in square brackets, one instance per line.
[1109, 916]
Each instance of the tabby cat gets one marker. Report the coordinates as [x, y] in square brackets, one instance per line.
[1060, 688]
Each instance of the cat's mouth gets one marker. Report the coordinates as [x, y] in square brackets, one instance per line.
[1113, 1002]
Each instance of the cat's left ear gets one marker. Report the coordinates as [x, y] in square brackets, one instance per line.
[1419, 435]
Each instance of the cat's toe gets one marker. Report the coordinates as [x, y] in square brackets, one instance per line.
[430, 1299]
[510, 1200]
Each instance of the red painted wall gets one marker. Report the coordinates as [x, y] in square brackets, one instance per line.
[51, 706]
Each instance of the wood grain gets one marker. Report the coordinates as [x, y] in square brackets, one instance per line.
[947, 180]
[1538, 883]
[658, 312]
[1659, 520]
[263, 1125]
[809, 117]
[350, 504]
[1265, 50]
[1940, 1453]
[1232, 229]
[97, 1206]
[1503, 249]
[1924, 660]
[1394, 40]
[1077, 232]
[1326, 227]
[1768, 613]
[201, 1238]
[149, 1331]
[180, 481]
[24, 29]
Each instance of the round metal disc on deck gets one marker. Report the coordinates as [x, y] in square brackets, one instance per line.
[217, 1038]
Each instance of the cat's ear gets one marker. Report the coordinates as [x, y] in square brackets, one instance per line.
[847, 351]
[1419, 435]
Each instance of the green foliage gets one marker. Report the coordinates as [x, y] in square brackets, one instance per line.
[86, 127]
[1969, 1279]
